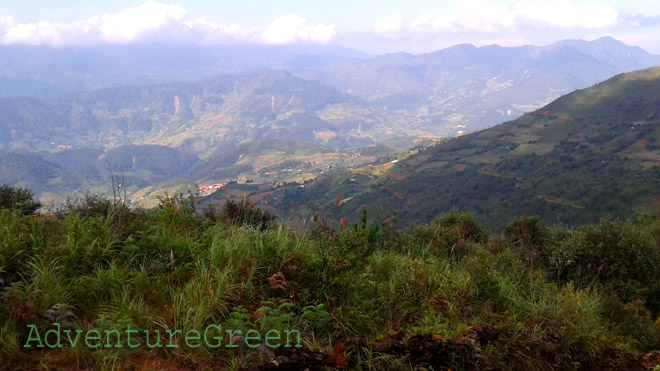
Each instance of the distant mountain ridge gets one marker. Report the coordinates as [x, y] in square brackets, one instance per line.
[85, 68]
[448, 92]
[614, 52]
[463, 88]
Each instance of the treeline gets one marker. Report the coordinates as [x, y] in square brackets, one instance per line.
[366, 295]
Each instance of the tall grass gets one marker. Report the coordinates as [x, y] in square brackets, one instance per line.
[170, 269]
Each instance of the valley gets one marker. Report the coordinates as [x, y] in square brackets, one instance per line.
[272, 127]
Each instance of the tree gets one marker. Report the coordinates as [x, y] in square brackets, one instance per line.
[18, 198]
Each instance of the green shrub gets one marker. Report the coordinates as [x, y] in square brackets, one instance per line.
[619, 257]
[635, 322]
[245, 213]
[17, 198]
[348, 250]
[527, 235]
[87, 206]
[122, 219]
[450, 235]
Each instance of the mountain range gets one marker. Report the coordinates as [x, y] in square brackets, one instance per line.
[66, 119]
[463, 88]
[50, 72]
[590, 154]
[449, 92]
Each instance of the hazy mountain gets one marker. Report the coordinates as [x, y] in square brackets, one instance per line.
[613, 52]
[198, 117]
[25, 87]
[74, 158]
[590, 154]
[61, 71]
[463, 87]
[155, 133]
[196, 129]
[448, 92]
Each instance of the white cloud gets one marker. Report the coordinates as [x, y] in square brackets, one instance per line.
[563, 14]
[390, 24]
[129, 25]
[292, 28]
[421, 22]
[161, 22]
[206, 32]
[481, 16]
[520, 22]
[132, 23]
[467, 15]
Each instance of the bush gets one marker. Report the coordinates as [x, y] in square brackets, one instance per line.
[451, 234]
[245, 213]
[88, 206]
[18, 198]
[618, 256]
[529, 239]
[124, 219]
[635, 321]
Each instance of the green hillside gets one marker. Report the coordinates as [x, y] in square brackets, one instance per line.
[161, 160]
[72, 172]
[15, 168]
[253, 156]
[593, 153]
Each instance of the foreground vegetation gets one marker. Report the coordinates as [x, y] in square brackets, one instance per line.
[446, 295]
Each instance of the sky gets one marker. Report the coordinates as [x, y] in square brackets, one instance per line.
[376, 27]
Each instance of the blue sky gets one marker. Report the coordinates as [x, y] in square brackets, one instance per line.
[374, 26]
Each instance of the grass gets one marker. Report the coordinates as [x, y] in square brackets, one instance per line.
[347, 290]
